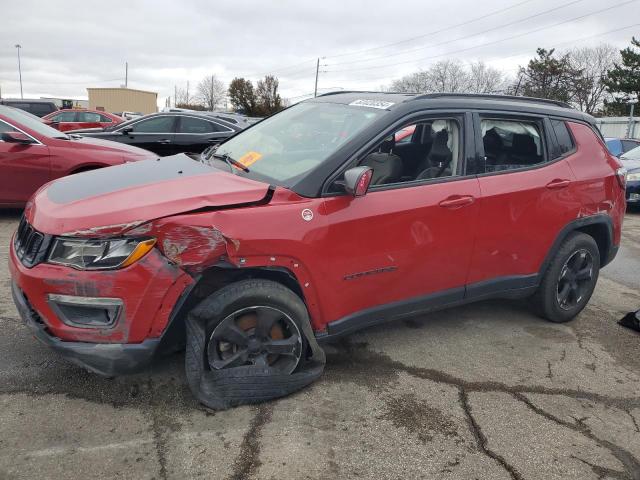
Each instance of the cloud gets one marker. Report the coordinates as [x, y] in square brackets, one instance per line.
[85, 44]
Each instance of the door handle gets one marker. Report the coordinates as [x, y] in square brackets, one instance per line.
[164, 141]
[558, 183]
[456, 201]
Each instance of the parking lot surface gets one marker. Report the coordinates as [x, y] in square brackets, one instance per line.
[486, 391]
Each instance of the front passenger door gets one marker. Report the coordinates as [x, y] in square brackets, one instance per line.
[405, 245]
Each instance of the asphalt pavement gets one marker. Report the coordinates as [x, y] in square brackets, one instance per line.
[484, 391]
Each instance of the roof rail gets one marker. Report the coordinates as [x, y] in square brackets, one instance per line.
[338, 92]
[487, 96]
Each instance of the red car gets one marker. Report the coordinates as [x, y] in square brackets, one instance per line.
[73, 119]
[31, 154]
[272, 244]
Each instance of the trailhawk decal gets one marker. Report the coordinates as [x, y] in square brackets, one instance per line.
[381, 104]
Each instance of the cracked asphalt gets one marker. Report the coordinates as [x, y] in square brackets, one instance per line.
[485, 391]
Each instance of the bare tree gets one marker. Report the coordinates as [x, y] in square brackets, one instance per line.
[210, 92]
[182, 97]
[485, 79]
[591, 65]
[452, 76]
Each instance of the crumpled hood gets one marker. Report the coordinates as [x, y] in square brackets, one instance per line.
[114, 199]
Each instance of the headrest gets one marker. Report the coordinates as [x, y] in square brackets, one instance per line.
[523, 144]
[388, 145]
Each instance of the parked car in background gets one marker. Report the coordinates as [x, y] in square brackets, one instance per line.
[619, 146]
[313, 224]
[168, 133]
[73, 119]
[129, 115]
[32, 154]
[39, 108]
[631, 161]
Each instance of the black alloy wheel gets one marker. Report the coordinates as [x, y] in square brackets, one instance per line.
[575, 280]
[260, 335]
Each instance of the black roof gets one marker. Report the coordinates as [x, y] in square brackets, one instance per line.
[411, 101]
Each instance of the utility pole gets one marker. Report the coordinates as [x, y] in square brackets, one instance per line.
[175, 95]
[315, 90]
[18, 47]
[126, 74]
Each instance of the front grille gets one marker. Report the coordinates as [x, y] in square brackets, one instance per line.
[30, 245]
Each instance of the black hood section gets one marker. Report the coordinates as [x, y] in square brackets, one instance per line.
[106, 180]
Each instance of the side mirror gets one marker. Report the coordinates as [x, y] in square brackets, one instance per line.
[16, 137]
[357, 180]
[126, 130]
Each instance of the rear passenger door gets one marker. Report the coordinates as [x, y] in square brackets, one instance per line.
[525, 184]
[196, 134]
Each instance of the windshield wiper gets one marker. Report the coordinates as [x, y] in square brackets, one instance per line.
[229, 161]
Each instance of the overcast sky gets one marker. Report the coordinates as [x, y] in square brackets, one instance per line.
[69, 46]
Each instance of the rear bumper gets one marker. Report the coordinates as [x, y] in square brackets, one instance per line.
[107, 359]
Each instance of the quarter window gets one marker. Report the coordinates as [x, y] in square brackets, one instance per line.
[105, 119]
[511, 144]
[563, 137]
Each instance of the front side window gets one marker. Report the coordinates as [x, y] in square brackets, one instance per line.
[421, 151]
[162, 124]
[31, 122]
[511, 144]
[64, 117]
[290, 144]
[6, 128]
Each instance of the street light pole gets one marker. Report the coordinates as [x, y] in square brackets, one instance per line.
[18, 47]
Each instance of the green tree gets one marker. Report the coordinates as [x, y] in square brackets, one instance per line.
[547, 77]
[624, 79]
[268, 98]
[242, 96]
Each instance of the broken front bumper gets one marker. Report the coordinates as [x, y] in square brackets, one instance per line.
[103, 358]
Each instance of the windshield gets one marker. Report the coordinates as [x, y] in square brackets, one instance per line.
[633, 154]
[295, 141]
[31, 122]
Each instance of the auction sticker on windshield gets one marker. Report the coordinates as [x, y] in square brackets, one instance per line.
[249, 158]
[372, 103]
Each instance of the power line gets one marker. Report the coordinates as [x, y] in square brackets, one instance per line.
[279, 69]
[580, 17]
[575, 40]
[495, 12]
[464, 37]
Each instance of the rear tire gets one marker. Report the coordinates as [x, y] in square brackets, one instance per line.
[570, 279]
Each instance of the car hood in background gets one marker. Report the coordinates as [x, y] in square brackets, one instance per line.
[112, 200]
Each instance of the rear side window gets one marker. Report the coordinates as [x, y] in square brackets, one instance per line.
[563, 137]
[105, 119]
[195, 126]
[511, 144]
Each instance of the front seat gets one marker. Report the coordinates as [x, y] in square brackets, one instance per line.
[387, 167]
[438, 161]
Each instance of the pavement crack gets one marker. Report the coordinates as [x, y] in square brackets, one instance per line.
[481, 438]
[630, 463]
[633, 419]
[248, 460]
[602, 472]
[549, 372]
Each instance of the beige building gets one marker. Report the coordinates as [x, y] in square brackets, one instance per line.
[115, 100]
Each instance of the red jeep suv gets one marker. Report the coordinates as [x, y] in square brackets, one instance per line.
[312, 224]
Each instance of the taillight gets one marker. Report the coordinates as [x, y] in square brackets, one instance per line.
[621, 173]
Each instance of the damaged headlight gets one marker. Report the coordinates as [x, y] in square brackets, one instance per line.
[99, 254]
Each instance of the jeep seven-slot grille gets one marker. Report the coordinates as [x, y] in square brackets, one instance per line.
[30, 244]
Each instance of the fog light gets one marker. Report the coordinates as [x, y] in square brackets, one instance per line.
[86, 312]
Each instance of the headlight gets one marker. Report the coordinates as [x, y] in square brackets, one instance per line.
[99, 254]
[633, 177]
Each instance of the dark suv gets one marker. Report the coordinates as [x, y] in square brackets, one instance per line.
[39, 108]
[312, 224]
